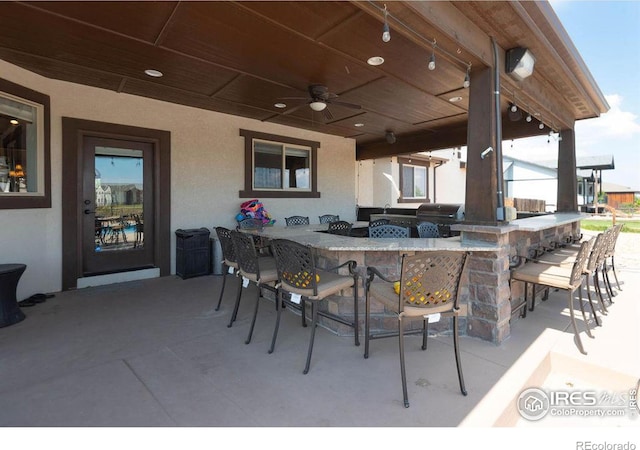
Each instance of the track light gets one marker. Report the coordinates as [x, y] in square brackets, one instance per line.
[386, 35]
[432, 59]
[467, 79]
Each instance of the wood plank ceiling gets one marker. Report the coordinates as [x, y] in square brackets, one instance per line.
[244, 57]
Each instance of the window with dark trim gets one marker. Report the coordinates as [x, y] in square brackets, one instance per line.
[414, 180]
[279, 166]
[25, 161]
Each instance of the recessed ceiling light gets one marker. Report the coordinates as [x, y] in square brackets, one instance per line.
[375, 60]
[153, 73]
[280, 105]
[358, 125]
[455, 99]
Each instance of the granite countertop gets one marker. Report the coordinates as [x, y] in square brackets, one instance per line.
[312, 235]
[535, 223]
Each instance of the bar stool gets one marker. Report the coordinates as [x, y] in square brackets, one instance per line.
[10, 312]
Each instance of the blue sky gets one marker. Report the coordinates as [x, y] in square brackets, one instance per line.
[607, 36]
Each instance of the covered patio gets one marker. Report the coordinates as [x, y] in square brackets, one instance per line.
[155, 353]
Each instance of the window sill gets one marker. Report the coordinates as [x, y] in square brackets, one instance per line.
[277, 194]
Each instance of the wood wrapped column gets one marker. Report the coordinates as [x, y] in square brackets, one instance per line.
[567, 186]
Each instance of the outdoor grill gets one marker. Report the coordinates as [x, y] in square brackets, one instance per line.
[443, 214]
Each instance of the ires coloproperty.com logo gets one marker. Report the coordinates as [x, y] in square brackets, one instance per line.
[535, 403]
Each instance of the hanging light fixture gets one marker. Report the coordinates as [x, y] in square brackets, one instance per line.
[386, 35]
[467, 78]
[318, 106]
[432, 59]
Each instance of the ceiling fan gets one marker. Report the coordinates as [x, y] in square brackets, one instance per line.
[318, 100]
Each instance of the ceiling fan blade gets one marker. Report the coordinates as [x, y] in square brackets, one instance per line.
[293, 98]
[327, 114]
[294, 109]
[346, 105]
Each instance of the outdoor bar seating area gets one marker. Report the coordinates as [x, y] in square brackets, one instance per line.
[569, 264]
[412, 285]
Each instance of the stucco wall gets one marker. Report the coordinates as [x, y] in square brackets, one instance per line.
[207, 170]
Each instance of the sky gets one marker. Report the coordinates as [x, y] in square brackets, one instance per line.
[607, 36]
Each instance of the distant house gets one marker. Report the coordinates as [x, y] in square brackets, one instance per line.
[440, 177]
[618, 196]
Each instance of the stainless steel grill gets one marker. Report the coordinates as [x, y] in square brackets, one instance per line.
[443, 214]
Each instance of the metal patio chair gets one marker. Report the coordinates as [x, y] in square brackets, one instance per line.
[563, 278]
[340, 227]
[296, 220]
[609, 263]
[260, 270]
[302, 281]
[229, 262]
[378, 222]
[428, 287]
[428, 230]
[389, 231]
[328, 218]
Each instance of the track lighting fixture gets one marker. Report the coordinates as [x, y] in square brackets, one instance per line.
[467, 78]
[386, 35]
[432, 59]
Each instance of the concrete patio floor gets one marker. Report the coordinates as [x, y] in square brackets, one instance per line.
[154, 353]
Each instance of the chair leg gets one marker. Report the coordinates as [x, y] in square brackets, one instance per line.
[607, 282]
[456, 347]
[355, 312]
[367, 310]
[314, 321]
[425, 333]
[234, 314]
[575, 326]
[403, 372]
[613, 269]
[603, 308]
[275, 329]
[526, 300]
[303, 310]
[584, 316]
[224, 282]
[599, 284]
[593, 309]
[533, 297]
[255, 315]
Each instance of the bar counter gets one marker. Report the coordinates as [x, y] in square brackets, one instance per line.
[485, 293]
[315, 235]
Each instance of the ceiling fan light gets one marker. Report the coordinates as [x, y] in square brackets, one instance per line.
[318, 106]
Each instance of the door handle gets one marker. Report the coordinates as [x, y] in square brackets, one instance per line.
[88, 211]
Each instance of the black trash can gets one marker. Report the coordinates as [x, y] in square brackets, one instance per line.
[193, 252]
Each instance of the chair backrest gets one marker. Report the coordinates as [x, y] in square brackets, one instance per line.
[378, 222]
[613, 238]
[250, 224]
[597, 252]
[389, 231]
[580, 264]
[328, 218]
[296, 220]
[340, 227]
[428, 230]
[431, 280]
[245, 253]
[228, 251]
[296, 266]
